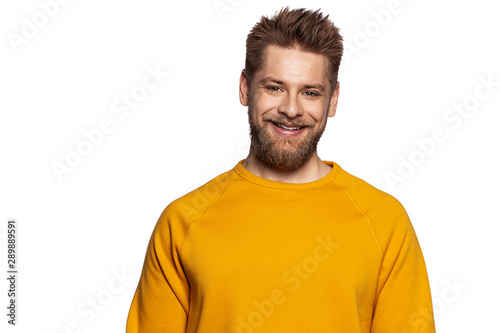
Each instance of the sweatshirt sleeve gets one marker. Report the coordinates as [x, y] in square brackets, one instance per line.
[403, 303]
[161, 300]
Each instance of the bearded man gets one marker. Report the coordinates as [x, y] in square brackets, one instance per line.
[285, 241]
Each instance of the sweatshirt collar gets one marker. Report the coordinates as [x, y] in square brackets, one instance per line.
[247, 175]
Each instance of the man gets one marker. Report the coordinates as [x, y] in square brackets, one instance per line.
[285, 242]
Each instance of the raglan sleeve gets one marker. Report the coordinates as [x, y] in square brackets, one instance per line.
[403, 300]
[161, 300]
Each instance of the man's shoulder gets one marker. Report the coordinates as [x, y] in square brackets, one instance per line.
[195, 203]
[386, 215]
[384, 211]
[364, 192]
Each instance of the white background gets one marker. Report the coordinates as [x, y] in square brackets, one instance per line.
[399, 77]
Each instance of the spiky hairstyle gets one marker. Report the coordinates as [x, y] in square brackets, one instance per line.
[309, 31]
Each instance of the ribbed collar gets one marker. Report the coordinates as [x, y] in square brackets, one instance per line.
[244, 173]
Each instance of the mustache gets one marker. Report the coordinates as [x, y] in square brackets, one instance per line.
[286, 120]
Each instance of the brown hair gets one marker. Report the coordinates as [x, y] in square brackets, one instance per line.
[309, 31]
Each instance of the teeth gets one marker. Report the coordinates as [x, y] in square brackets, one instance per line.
[289, 128]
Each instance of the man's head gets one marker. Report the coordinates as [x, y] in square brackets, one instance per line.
[290, 85]
[307, 30]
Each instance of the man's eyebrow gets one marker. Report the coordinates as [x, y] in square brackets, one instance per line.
[318, 86]
[270, 78]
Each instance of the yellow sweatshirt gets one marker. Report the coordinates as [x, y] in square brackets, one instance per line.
[246, 254]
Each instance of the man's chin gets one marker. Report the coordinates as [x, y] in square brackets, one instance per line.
[287, 166]
[284, 159]
[282, 153]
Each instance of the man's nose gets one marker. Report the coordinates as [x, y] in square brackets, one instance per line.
[290, 106]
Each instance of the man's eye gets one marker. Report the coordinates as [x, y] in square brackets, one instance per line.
[311, 93]
[273, 88]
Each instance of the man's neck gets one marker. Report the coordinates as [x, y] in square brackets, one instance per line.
[312, 170]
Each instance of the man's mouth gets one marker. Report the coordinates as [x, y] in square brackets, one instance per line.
[290, 127]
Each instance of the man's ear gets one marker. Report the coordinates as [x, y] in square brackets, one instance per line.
[333, 101]
[244, 88]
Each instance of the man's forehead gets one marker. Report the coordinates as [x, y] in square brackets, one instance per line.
[293, 65]
[278, 53]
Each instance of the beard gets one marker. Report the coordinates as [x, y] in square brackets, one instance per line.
[285, 154]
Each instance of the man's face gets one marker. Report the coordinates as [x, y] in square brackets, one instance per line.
[289, 101]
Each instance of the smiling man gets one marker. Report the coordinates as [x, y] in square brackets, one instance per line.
[285, 241]
[288, 109]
